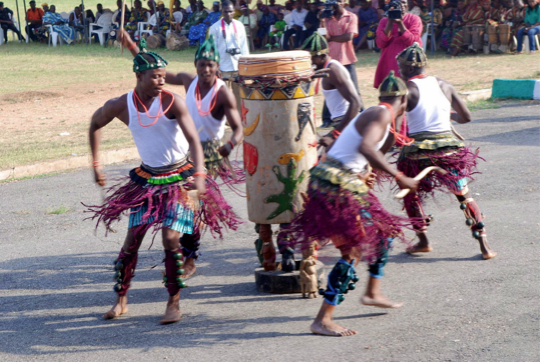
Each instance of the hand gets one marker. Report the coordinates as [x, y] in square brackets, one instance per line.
[326, 141]
[398, 21]
[225, 150]
[99, 177]
[200, 185]
[405, 182]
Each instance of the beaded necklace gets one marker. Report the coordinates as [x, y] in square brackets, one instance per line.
[401, 140]
[198, 99]
[156, 117]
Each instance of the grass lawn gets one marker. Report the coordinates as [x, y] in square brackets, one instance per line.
[49, 91]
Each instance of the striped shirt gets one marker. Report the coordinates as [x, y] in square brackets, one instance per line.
[348, 23]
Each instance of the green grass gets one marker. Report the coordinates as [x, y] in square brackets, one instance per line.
[483, 104]
[58, 211]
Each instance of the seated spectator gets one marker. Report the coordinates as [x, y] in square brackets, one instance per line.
[288, 8]
[426, 16]
[197, 16]
[34, 18]
[138, 15]
[298, 16]
[312, 22]
[368, 19]
[474, 15]
[118, 19]
[99, 11]
[268, 19]
[250, 23]
[42, 32]
[258, 10]
[276, 32]
[151, 7]
[59, 25]
[192, 7]
[414, 7]
[453, 24]
[89, 17]
[76, 20]
[180, 16]
[162, 18]
[197, 33]
[518, 16]
[6, 22]
[275, 8]
[353, 7]
[531, 27]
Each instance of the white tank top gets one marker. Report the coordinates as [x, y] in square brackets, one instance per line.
[337, 105]
[161, 144]
[208, 127]
[432, 113]
[345, 148]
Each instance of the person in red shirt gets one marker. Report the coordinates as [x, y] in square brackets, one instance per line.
[34, 20]
[393, 36]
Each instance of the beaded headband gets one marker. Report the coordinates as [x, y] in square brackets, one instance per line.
[140, 64]
[395, 86]
[316, 44]
[413, 55]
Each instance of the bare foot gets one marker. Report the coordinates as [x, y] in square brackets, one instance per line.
[118, 309]
[189, 268]
[329, 328]
[418, 248]
[380, 301]
[172, 313]
[487, 253]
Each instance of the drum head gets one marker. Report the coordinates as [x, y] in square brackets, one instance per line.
[276, 65]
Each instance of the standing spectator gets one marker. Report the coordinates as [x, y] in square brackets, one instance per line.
[34, 18]
[312, 21]
[268, 19]
[352, 7]
[298, 16]
[274, 8]
[231, 42]
[6, 22]
[250, 23]
[99, 11]
[368, 20]
[532, 27]
[393, 36]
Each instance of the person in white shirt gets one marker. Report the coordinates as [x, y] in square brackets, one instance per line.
[250, 24]
[231, 42]
[297, 20]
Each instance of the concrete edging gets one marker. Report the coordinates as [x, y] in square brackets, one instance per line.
[107, 158]
[476, 95]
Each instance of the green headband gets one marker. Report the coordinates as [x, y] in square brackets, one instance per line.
[416, 55]
[395, 86]
[316, 44]
[208, 50]
[140, 64]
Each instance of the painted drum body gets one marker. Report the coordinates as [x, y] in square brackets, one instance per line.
[280, 146]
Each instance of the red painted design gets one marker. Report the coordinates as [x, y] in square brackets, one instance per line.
[244, 111]
[251, 158]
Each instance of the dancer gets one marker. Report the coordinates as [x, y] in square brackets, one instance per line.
[341, 208]
[343, 101]
[430, 101]
[156, 193]
[212, 106]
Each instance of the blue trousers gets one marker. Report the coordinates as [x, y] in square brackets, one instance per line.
[531, 34]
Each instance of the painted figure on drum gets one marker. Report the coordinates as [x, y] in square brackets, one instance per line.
[429, 113]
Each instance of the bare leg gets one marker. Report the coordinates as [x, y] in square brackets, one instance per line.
[324, 322]
[131, 246]
[375, 298]
[171, 245]
[190, 248]
[414, 210]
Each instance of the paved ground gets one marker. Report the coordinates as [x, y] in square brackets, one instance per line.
[56, 279]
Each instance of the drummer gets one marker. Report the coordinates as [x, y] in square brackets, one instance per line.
[342, 100]
[211, 105]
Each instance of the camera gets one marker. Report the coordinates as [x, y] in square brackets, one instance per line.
[393, 9]
[233, 51]
[328, 10]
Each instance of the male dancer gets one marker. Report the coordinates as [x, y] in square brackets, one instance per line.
[340, 206]
[429, 106]
[156, 192]
[211, 105]
[343, 101]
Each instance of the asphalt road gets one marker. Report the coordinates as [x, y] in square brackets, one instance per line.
[56, 278]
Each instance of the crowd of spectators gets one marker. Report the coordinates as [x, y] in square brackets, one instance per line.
[285, 26]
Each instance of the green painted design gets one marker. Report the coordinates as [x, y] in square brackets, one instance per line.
[291, 183]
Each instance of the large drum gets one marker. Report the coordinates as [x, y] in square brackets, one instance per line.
[280, 144]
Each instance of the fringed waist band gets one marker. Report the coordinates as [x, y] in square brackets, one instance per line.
[335, 172]
[178, 172]
[424, 141]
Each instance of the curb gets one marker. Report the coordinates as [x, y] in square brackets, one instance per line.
[476, 95]
[107, 158]
[516, 88]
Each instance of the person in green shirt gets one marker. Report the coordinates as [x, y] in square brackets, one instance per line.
[532, 26]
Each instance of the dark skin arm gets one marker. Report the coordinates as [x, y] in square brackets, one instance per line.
[343, 38]
[462, 113]
[227, 103]
[372, 133]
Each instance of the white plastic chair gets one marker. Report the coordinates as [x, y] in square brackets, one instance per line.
[425, 37]
[1, 36]
[53, 36]
[151, 22]
[526, 48]
[102, 27]
[12, 32]
[64, 15]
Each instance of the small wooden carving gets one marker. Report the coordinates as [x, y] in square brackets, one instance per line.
[308, 273]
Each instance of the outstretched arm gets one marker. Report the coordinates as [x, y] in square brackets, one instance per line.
[233, 118]
[462, 114]
[102, 117]
[345, 87]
